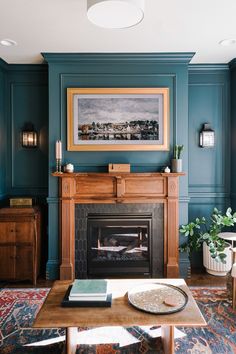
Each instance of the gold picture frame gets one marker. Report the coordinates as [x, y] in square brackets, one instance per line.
[117, 119]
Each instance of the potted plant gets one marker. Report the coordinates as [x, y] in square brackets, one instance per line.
[176, 162]
[217, 255]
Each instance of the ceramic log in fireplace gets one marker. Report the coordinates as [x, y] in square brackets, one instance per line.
[115, 189]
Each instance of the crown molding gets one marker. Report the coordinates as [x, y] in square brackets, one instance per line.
[207, 67]
[232, 63]
[3, 64]
[164, 58]
[23, 67]
[28, 67]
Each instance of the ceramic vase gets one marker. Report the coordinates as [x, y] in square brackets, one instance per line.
[176, 165]
[217, 268]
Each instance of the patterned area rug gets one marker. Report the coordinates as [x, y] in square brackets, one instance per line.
[18, 308]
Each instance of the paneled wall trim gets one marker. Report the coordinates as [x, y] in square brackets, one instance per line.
[232, 66]
[209, 169]
[114, 70]
[198, 94]
[27, 97]
[3, 139]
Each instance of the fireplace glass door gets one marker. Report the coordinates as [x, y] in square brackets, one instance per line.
[119, 244]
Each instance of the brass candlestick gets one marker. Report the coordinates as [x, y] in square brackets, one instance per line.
[58, 166]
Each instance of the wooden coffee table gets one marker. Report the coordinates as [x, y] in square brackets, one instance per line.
[121, 313]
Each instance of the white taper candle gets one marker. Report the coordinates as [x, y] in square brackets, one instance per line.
[58, 149]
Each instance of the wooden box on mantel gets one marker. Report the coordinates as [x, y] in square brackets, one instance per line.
[119, 167]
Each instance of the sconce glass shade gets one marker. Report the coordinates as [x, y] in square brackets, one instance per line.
[115, 13]
[29, 138]
[207, 137]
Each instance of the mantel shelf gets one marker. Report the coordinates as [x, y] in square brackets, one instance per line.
[122, 174]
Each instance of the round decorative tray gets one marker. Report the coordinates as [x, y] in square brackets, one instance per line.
[158, 298]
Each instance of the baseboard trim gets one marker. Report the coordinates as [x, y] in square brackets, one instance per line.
[52, 270]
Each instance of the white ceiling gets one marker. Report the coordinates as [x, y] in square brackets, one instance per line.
[168, 26]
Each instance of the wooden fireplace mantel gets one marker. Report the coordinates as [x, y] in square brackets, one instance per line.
[116, 188]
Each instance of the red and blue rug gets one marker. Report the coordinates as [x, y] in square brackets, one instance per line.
[18, 308]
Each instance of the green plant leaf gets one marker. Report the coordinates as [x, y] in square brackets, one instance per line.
[205, 236]
[202, 230]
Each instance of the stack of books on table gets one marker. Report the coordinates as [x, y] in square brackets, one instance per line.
[88, 293]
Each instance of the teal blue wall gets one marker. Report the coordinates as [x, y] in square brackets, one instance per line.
[24, 172]
[3, 141]
[114, 70]
[198, 94]
[27, 101]
[233, 132]
[209, 169]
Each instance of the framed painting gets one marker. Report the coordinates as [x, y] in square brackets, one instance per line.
[117, 119]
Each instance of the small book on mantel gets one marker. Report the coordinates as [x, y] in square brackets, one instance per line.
[88, 290]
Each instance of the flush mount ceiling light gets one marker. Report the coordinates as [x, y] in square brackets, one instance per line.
[227, 42]
[8, 42]
[115, 13]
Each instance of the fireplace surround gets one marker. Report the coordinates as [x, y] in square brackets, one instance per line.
[118, 189]
[119, 240]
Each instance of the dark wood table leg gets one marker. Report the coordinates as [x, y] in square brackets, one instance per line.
[71, 340]
[167, 336]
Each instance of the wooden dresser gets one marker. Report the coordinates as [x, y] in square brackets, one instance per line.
[20, 234]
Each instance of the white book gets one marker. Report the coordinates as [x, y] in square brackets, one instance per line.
[88, 298]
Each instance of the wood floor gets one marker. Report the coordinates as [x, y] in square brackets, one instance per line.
[198, 278]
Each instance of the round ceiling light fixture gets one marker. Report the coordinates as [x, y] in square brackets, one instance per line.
[8, 42]
[115, 13]
[227, 42]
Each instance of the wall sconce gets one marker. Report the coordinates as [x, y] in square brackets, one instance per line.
[29, 136]
[207, 136]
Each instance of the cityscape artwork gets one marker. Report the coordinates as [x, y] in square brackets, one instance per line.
[114, 120]
[118, 118]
